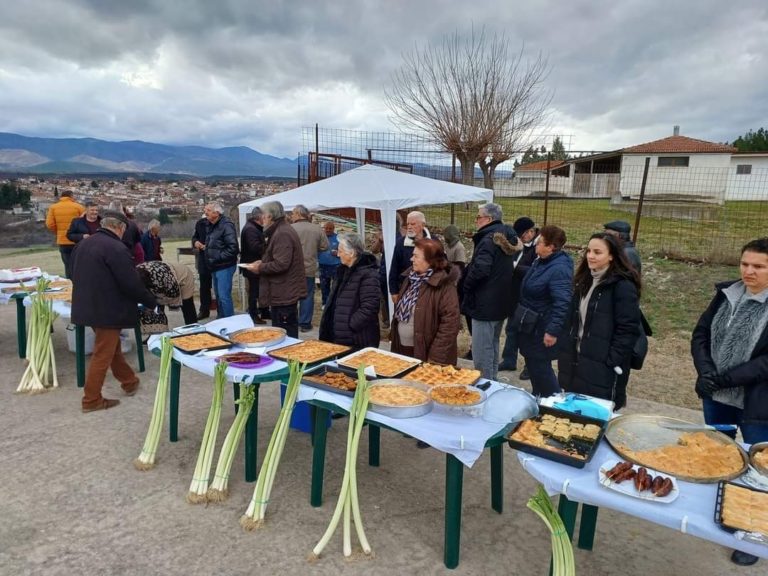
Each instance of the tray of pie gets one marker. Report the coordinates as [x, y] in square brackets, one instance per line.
[694, 455]
[434, 374]
[309, 351]
[742, 508]
[331, 379]
[199, 341]
[386, 364]
[257, 337]
[399, 398]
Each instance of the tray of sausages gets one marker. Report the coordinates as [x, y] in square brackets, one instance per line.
[638, 481]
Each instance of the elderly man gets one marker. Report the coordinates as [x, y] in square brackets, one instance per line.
[313, 241]
[281, 272]
[486, 285]
[622, 229]
[198, 243]
[87, 225]
[416, 229]
[58, 220]
[252, 245]
[151, 242]
[221, 252]
[106, 291]
[328, 260]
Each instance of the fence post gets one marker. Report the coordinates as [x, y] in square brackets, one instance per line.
[642, 197]
[453, 180]
[546, 188]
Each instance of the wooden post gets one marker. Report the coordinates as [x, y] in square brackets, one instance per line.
[642, 198]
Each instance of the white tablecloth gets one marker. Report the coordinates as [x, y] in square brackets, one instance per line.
[5, 297]
[692, 512]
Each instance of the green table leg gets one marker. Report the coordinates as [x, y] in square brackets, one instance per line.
[587, 526]
[251, 438]
[567, 510]
[374, 444]
[21, 327]
[454, 477]
[173, 417]
[497, 478]
[139, 348]
[80, 355]
[318, 457]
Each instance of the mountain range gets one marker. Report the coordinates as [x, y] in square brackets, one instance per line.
[90, 155]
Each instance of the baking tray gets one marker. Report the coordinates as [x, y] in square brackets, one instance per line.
[645, 432]
[753, 450]
[401, 411]
[757, 537]
[263, 344]
[324, 369]
[224, 342]
[410, 375]
[558, 456]
[286, 353]
[347, 361]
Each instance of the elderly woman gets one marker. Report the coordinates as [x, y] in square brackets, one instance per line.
[730, 352]
[151, 242]
[426, 320]
[604, 322]
[351, 315]
[540, 317]
[173, 284]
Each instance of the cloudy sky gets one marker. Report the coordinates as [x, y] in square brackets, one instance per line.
[254, 73]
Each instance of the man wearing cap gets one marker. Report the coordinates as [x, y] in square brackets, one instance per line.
[106, 290]
[252, 245]
[206, 282]
[529, 235]
[622, 229]
[58, 220]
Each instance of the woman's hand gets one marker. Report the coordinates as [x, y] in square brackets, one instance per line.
[549, 340]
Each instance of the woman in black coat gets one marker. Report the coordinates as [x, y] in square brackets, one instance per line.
[604, 322]
[351, 315]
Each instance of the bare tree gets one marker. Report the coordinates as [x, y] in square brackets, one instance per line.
[468, 94]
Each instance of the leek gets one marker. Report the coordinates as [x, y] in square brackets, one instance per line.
[40, 374]
[146, 459]
[347, 504]
[198, 489]
[563, 563]
[257, 508]
[218, 491]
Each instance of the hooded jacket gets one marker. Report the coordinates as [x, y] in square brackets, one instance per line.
[488, 276]
[436, 319]
[351, 315]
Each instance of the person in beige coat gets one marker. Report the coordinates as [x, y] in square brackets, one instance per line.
[313, 241]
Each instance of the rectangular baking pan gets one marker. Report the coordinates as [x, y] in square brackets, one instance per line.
[324, 369]
[279, 353]
[224, 342]
[719, 506]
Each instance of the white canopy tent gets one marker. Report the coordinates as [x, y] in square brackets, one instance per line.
[374, 188]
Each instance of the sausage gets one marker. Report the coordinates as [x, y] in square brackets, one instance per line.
[656, 484]
[642, 473]
[618, 469]
[647, 481]
[666, 488]
[626, 475]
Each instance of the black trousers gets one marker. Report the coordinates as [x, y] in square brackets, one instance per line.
[188, 310]
[66, 254]
[206, 285]
[286, 317]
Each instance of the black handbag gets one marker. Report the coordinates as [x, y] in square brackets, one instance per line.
[640, 350]
[524, 320]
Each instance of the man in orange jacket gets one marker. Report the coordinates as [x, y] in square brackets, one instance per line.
[58, 219]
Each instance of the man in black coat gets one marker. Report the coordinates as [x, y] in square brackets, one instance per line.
[221, 250]
[105, 292]
[487, 281]
[198, 243]
[401, 256]
[252, 245]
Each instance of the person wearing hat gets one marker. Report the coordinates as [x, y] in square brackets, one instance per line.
[252, 245]
[106, 291]
[528, 234]
[622, 229]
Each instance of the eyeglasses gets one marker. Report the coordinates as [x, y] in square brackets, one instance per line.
[481, 216]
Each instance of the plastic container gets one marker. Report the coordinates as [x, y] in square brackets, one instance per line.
[474, 409]
[409, 411]
[126, 340]
[301, 418]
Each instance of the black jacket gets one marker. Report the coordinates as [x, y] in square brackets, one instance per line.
[753, 375]
[221, 244]
[547, 289]
[78, 228]
[488, 276]
[252, 245]
[401, 261]
[106, 288]
[351, 315]
[611, 329]
[524, 262]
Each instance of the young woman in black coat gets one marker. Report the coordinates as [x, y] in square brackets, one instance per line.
[351, 315]
[604, 322]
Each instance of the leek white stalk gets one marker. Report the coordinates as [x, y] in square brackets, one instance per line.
[146, 459]
[218, 491]
[563, 563]
[40, 374]
[198, 489]
[257, 508]
[347, 505]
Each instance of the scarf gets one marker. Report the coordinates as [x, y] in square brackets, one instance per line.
[407, 303]
[597, 276]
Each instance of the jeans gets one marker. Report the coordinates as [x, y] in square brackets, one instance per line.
[327, 274]
[538, 361]
[719, 413]
[66, 254]
[485, 346]
[222, 287]
[106, 354]
[307, 305]
[509, 354]
[287, 318]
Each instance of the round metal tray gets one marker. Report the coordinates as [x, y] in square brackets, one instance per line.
[754, 449]
[263, 344]
[401, 411]
[647, 432]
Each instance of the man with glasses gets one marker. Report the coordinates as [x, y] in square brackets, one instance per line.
[401, 257]
[487, 283]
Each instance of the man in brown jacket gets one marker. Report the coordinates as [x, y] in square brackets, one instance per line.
[281, 271]
[313, 241]
[58, 219]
